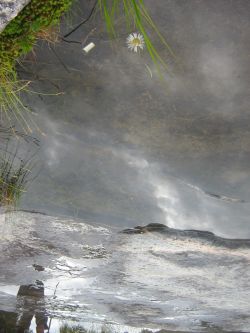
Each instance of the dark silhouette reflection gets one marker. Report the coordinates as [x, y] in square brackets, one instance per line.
[8, 322]
[30, 301]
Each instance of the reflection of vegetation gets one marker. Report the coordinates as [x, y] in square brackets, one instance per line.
[79, 329]
[8, 322]
[68, 329]
[17, 39]
[13, 178]
[14, 171]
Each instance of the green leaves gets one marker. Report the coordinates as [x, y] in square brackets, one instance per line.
[17, 39]
[13, 178]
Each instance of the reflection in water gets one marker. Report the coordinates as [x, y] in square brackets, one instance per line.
[198, 131]
[119, 150]
[185, 205]
[30, 301]
[16, 162]
[151, 276]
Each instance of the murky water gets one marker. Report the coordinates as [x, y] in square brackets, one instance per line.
[119, 148]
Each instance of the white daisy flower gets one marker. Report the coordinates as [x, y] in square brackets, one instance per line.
[135, 41]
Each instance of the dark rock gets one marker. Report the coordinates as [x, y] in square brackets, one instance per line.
[38, 268]
[203, 236]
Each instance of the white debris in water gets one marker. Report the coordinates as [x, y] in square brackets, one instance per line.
[89, 47]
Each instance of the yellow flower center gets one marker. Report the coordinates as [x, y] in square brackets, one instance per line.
[136, 41]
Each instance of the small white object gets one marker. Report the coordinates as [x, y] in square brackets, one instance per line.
[89, 47]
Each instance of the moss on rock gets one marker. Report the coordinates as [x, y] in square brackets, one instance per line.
[17, 39]
[20, 34]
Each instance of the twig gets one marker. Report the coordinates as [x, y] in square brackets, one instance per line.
[53, 297]
[83, 22]
[83, 41]
[59, 59]
[71, 41]
[87, 37]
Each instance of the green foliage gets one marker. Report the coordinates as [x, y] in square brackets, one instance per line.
[68, 329]
[17, 39]
[20, 34]
[10, 102]
[79, 329]
[137, 17]
[13, 178]
[17, 151]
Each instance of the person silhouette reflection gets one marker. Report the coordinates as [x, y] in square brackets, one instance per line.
[30, 301]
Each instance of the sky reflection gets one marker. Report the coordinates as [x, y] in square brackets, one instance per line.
[121, 148]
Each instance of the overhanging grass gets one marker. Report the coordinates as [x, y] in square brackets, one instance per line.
[16, 40]
[34, 21]
[137, 17]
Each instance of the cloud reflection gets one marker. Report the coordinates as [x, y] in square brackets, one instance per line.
[184, 205]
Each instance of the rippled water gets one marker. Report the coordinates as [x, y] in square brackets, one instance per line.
[155, 278]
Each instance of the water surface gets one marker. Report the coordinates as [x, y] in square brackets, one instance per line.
[157, 278]
[118, 148]
[123, 148]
